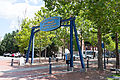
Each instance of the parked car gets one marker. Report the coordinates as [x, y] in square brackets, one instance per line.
[16, 55]
[13, 55]
[76, 56]
[6, 54]
[88, 54]
[106, 56]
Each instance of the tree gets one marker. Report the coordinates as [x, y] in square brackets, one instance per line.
[23, 35]
[115, 25]
[8, 44]
[110, 44]
[1, 49]
[42, 39]
[83, 26]
[96, 11]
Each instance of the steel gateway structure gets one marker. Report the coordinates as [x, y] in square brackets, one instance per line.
[53, 23]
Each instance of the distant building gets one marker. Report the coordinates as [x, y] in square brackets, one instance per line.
[0, 38]
[87, 49]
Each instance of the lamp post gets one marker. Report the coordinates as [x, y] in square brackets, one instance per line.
[104, 54]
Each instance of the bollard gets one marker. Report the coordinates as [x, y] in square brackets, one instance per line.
[107, 60]
[50, 66]
[12, 62]
[88, 62]
[56, 59]
[74, 58]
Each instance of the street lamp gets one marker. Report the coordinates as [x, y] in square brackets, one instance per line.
[104, 54]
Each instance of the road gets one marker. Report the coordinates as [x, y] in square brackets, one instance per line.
[8, 58]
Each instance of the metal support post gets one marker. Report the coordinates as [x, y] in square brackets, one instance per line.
[32, 59]
[77, 40]
[71, 45]
[104, 60]
[27, 55]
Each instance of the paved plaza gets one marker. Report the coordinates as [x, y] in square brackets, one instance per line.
[40, 71]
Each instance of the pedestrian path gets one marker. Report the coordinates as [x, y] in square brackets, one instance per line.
[32, 68]
[35, 68]
[33, 71]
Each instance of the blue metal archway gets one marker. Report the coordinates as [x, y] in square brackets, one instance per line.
[49, 22]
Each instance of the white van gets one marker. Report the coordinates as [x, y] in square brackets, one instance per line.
[89, 53]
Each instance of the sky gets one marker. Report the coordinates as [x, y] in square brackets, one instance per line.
[13, 11]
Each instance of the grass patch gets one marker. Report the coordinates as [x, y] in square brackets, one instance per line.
[115, 75]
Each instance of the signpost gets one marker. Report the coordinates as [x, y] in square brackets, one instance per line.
[104, 54]
[53, 23]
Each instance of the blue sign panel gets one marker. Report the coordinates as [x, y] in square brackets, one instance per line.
[50, 24]
[102, 45]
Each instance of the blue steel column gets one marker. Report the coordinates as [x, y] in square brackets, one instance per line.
[32, 61]
[77, 40]
[27, 55]
[71, 44]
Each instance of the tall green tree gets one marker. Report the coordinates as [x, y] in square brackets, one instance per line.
[42, 39]
[8, 43]
[96, 11]
[23, 35]
[115, 25]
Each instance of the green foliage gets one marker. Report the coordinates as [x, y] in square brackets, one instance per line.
[89, 16]
[109, 43]
[42, 39]
[103, 14]
[23, 36]
[8, 44]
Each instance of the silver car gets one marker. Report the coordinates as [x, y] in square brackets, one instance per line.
[6, 54]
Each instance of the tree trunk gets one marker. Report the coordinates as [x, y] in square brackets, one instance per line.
[117, 54]
[100, 62]
[62, 53]
[40, 55]
[45, 53]
[93, 52]
[68, 45]
[64, 47]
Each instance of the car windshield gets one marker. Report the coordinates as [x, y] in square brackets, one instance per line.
[76, 55]
[89, 53]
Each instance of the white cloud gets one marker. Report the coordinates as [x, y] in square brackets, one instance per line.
[34, 1]
[14, 25]
[11, 11]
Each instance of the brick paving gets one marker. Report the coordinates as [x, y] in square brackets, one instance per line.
[41, 72]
